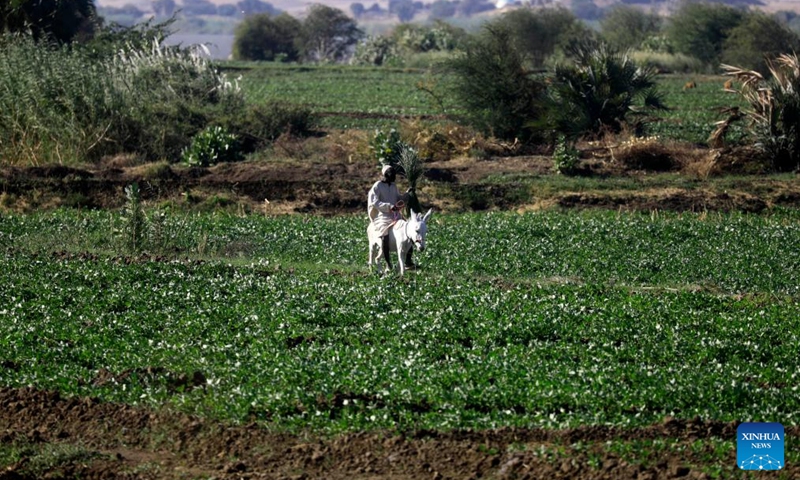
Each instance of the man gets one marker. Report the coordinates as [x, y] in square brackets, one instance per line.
[384, 204]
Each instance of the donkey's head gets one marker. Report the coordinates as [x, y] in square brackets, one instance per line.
[418, 228]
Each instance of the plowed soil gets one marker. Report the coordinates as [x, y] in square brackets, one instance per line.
[120, 441]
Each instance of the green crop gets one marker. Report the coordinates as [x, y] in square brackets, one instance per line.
[536, 319]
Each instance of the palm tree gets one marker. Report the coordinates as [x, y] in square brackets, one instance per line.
[774, 112]
[598, 91]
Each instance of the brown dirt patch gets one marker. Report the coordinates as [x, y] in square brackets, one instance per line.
[121, 441]
[331, 187]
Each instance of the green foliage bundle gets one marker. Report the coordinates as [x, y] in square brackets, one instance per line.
[500, 95]
[598, 91]
[387, 146]
[211, 146]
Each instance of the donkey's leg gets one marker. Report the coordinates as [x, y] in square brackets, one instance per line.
[401, 257]
[387, 252]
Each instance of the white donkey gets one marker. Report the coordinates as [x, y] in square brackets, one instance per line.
[403, 236]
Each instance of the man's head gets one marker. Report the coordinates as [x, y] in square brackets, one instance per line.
[389, 174]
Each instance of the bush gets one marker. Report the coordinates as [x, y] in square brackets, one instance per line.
[257, 126]
[212, 146]
[668, 62]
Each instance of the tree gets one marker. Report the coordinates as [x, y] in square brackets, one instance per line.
[199, 7]
[699, 29]
[538, 33]
[756, 39]
[251, 7]
[357, 9]
[59, 20]
[489, 79]
[328, 35]
[443, 9]
[404, 9]
[627, 27]
[227, 10]
[262, 37]
[774, 109]
[474, 7]
[164, 7]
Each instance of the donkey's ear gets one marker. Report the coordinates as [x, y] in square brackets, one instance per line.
[413, 213]
[427, 215]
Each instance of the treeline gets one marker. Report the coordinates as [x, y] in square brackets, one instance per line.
[697, 37]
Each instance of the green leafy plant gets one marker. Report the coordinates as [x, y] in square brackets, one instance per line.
[565, 156]
[134, 220]
[212, 146]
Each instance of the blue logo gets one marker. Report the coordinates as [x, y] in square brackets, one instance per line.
[759, 446]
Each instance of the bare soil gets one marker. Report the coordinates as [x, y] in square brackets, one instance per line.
[335, 187]
[121, 441]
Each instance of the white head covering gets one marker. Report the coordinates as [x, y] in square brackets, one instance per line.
[385, 169]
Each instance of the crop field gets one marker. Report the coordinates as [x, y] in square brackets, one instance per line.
[540, 319]
[363, 97]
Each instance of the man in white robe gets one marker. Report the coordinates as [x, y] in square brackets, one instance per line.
[384, 204]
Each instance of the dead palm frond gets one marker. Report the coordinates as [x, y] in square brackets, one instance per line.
[774, 109]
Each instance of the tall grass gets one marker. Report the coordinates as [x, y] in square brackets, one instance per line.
[65, 105]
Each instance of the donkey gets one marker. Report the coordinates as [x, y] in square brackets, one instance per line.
[403, 236]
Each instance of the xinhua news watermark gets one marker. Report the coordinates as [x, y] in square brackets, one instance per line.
[760, 446]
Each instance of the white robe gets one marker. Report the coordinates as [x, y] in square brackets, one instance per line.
[382, 197]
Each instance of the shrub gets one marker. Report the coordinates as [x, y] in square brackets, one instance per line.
[257, 126]
[211, 146]
[664, 62]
